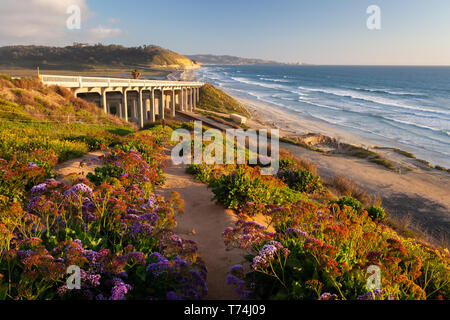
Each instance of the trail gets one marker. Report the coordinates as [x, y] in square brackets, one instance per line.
[79, 167]
[204, 221]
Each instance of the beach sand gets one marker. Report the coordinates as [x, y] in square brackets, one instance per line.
[415, 196]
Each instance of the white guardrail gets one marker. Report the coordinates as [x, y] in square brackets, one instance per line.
[81, 82]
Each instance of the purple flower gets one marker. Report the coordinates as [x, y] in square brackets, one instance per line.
[267, 254]
[328, 296]
[297, 231]
[376, 294]
[32, 165]
[156, 268]
[39, 188]
[119, 290]
[62, 290]
[236, 268]
[172, 296]
[149, 204]
[89, 279]
[137, 257]
[232, 280]
[80, 188]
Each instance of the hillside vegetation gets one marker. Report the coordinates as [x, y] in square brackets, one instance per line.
[302, 242]
[46, 125]
[216, 100]
[87, 57]
[110, 224]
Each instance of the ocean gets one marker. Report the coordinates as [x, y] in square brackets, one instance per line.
[399, 107]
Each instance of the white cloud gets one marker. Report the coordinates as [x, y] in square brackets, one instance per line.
[101, 32]
[44, 22]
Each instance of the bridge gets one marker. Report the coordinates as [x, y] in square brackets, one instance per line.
[137, 101]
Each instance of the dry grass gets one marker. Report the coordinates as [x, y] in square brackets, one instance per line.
[346, 187]
[408, 228]
[301, 163]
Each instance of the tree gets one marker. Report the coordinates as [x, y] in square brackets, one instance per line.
[135, 74]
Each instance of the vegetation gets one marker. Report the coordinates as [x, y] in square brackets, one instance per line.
[376, 213]
[114, 228]
[119, 233]
[135, 74]
[318, 250]
[216, 100]
[301, 180]
[86, 57]
[244, 186]
[324, 252]
[40, 127]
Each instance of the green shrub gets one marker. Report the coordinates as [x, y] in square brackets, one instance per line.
[376, 213]
[244, 186]
[286, 164]
[348, 201]
[301, 180]
[104, 173]
[202, 172]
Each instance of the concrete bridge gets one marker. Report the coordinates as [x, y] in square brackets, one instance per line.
[137, 101]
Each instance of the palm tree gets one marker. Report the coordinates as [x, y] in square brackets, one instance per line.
[135, 74]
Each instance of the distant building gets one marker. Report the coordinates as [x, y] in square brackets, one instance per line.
[80, 45]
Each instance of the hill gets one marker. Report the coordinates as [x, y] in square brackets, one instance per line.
[216, 100]
[79, 57]
[209, 59]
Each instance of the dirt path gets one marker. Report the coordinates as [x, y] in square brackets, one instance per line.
[79, 167]
[204, 221]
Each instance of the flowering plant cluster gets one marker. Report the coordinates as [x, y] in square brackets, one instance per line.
[119, 233]
[323, 252]
[308, 250]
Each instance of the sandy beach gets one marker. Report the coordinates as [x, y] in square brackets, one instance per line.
[416, 197]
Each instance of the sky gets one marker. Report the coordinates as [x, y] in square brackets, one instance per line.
[413, 32]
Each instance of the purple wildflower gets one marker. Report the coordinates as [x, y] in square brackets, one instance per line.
[172, 296]
[328, 296]
[119, 290]
[39, 188]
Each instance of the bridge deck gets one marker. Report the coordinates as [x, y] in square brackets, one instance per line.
[80, 82]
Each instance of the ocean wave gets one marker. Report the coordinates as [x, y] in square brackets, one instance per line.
[383, 101]
[274, 80]
[414, 124]
[390, 92]
[257, 83]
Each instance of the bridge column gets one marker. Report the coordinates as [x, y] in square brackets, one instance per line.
[125, 104]
[141, 109]
[195, 98]
[191, 100]
[174, 102]
[104, 102]
[163, 104]
[181, 100]
[152, 103]
[187, 100]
